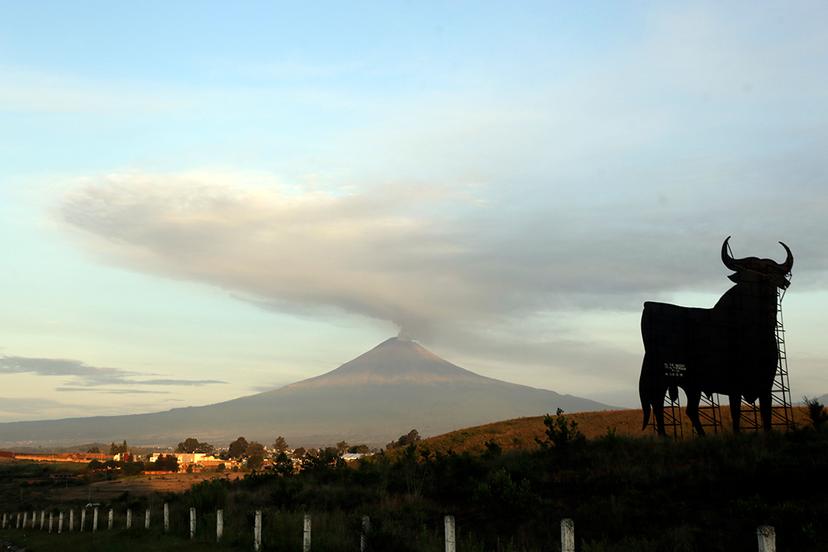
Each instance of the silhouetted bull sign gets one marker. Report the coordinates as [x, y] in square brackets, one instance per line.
[730, 349]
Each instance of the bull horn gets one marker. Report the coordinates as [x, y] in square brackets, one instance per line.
[788, 264]
[728, 261]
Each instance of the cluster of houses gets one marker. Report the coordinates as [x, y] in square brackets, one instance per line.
[187, 462]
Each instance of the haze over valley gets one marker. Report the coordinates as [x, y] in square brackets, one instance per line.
[393, 388]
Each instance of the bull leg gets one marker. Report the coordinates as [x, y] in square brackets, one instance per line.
[693, 398]
[765, 410]
[658, 412]
[735, 411]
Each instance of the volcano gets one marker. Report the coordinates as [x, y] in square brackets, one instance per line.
[397, 386]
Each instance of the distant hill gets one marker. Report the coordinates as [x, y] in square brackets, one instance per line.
[396, 386]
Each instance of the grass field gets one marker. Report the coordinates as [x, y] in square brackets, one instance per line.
[137, 485]
[105, 541]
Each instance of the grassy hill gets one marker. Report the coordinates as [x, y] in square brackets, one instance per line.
[520, 433]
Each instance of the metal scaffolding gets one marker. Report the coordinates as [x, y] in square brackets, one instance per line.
[672, 417]
[710, 414]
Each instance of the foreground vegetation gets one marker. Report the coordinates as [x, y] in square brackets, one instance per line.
[625, 494]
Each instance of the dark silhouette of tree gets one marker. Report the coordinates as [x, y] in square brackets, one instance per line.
[255, 455]
[299, 452]
[561, 432]
[359, 449]
[816, 411]
[167, 462]
[321, 460]
[282, 464]
[280, 444]
[341, 447]
[191, 445]
[118, 449]
[237, 448]
[411, 438]
[94, 450]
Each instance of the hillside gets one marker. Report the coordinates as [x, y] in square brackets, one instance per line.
[520, 433]
[396, 386]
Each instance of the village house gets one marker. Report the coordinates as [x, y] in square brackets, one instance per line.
[196, 460]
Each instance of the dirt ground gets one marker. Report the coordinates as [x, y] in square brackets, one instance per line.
[138, 485]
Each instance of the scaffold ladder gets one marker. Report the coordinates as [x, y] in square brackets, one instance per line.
[672, 417]
[781, 406]
[710, 414]
[782, 412]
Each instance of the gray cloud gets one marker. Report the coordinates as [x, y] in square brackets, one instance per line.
[83, 375]
[113, 391]
[398, 257]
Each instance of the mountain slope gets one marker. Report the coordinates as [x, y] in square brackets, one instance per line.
[396, 386]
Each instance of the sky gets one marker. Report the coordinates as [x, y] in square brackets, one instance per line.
[200, 201]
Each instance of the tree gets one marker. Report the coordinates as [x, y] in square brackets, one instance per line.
[561, 432]
[118, 449]
[341, 447]
[299, 452]
[321, 460]
[191, 445]
[816, 411]
[411, 438]
[237, 448]
[280, 445]
[167, 462]
[94, 450]
[359, 449]
[255, 455]
[282, 464]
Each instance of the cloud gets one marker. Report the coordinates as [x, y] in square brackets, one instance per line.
[113, 391]
[84, 376]
[423, 258]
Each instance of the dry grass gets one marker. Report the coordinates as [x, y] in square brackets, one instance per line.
[520, 433]
[138, 485]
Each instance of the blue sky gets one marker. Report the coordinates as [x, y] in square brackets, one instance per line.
[199, 201]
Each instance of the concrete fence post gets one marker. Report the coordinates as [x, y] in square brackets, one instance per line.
[83, 519]
[257, 531]
[192, 523]
[51, 519]
[60, 523]
[71, 520]
[219, 525]
[567, 535]
[767, 538]
[17, 526]
[129, 518]
[306, 534]
[451, 543]
[95, 519]
[166, 518]
[110, 520]
[34, 518]
[4, 520]
[42, 519]
[363, 536]
[147, 518]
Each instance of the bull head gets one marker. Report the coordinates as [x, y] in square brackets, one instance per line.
[754, 269]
